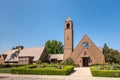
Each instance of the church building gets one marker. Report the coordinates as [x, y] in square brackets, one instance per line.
[86, 53]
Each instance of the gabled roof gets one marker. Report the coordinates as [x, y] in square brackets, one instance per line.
[12, 55]
[93, 49]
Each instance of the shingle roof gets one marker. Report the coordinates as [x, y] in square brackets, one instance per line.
[35, 52]
[12, 55]
[55, 56]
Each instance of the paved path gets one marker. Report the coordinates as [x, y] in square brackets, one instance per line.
[78, 74]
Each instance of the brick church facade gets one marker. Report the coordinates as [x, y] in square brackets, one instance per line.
[86, 53]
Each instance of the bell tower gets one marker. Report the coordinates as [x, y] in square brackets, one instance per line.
[68, 38]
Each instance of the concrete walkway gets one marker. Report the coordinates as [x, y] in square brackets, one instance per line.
[78, 74]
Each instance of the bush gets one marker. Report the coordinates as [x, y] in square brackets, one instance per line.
[106, 73]
[30, 66]
[43, 71]
[116, 67]
[94, 68]
[55, 66]
[5, 70]
[68, 61]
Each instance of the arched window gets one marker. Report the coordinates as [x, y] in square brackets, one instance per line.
[68, 25]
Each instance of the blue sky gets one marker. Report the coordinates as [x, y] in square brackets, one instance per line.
[32, 22]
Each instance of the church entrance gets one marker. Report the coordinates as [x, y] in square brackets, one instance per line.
[85, 61]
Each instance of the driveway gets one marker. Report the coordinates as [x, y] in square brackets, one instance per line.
[78, 74]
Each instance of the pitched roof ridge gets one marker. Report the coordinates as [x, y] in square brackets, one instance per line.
[10, 50]
[85, 36]
[91, 41]
[34, 47]
[23, 48]
[81, 40]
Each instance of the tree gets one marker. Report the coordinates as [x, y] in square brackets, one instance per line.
[17, 47]
[54, 47]
[106, 52]
[111, 55]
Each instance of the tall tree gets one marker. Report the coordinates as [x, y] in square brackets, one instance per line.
[54, 47]
[111, 55]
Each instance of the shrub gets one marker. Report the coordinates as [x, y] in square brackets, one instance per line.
[116, 67]
[94, 68]
[43, 71]
[5, 70]
[55, 66]
[106, 73]
[68, 61]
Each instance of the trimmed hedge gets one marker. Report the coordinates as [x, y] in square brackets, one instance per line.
[43, 71]
[106, 73]
[5, 70]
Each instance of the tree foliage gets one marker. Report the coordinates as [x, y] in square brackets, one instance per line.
[17, 47]
[54, 47]
[111, 55]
